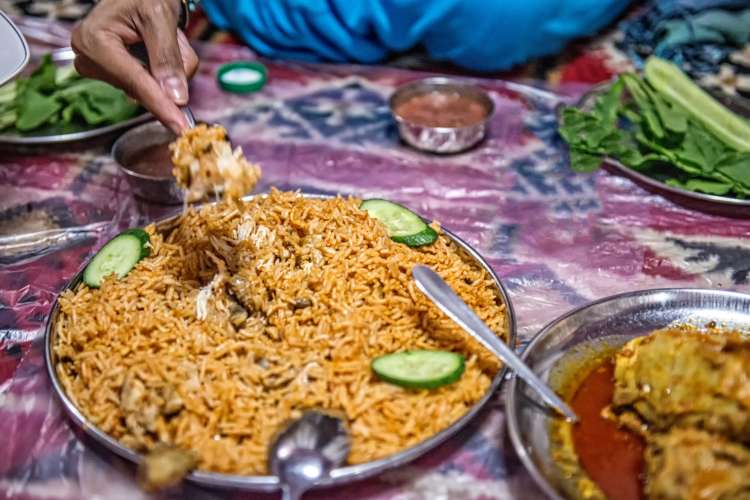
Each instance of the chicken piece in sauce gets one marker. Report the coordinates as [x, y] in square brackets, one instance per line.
[686, 378]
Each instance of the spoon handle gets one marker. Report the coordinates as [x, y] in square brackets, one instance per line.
[291, 492]
[188, 115]
[437, 290]
[139, 51]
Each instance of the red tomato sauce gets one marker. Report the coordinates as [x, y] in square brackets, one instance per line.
[611, 456]
[442, 109]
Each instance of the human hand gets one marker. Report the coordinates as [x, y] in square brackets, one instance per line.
[101, 42]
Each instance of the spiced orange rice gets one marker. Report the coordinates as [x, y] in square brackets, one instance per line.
[247, 313]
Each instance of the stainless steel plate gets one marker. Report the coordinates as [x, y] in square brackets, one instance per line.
[268, 483]
[736, 104]
[611, 322]
[66, 56]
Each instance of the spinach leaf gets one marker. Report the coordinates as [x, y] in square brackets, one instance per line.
[35, 109]
[606, 107]
[708, 186]
[633, 123]
[674, 120]
[61, 98]
[736, 166]
[646, 109]
[584, 162]
[43, 77]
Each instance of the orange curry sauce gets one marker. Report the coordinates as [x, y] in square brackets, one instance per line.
[611, 456]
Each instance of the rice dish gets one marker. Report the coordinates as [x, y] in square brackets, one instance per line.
[246, 313]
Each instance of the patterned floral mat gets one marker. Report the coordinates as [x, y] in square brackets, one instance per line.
[557, 239]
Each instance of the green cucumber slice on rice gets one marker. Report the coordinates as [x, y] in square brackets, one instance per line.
[119, 255]
[404, 226]
[419, 369]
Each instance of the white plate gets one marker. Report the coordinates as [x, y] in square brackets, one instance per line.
[14, 53]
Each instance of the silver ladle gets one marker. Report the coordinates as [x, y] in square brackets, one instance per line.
[305, 452]
[443, 296]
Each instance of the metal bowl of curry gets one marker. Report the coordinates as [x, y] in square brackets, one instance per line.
[142, 154]
[655, 377]
[441, 115]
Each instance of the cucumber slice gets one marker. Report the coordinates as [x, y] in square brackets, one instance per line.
[404, 226]
[676, 87]
[419, 369]
[118, 256]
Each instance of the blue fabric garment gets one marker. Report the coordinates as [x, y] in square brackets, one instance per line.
[697, 35]
[483, 35]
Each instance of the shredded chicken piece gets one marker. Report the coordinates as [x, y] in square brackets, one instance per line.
[205, 163]
[205, 293]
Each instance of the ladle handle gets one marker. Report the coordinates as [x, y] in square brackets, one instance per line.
[443, 296]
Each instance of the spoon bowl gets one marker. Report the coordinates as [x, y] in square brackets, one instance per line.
[307, 450]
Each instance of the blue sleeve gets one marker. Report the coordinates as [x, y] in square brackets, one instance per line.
[484, 35]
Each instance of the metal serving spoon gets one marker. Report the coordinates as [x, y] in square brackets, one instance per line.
[437, 290]
[139, 51]
[306, 451]
[188, 115]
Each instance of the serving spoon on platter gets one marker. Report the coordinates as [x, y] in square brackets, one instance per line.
[443, 296]
[306, 450]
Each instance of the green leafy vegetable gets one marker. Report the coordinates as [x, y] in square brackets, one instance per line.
[675, 86]
[648, 128]
[59, 97]
[35, 109]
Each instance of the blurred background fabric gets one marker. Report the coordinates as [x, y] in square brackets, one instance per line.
[710, 39]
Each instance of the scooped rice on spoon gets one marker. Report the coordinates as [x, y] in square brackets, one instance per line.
[205, 163]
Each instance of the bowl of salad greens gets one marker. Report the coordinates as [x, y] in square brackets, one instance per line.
[54, 104]
[662, 130]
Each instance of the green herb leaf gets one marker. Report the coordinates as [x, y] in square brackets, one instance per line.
[736, 166]
[584, 162]
[646, 107]
[43, 77]
[607, 106]
[708, 186]
[35, 109]
[674, 120]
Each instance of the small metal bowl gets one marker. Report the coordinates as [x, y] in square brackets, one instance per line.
[153, 188]
[441, 139]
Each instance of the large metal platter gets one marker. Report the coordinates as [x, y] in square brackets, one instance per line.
[339, 476]
[737, 104]
[66, 56]
[576, 336]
